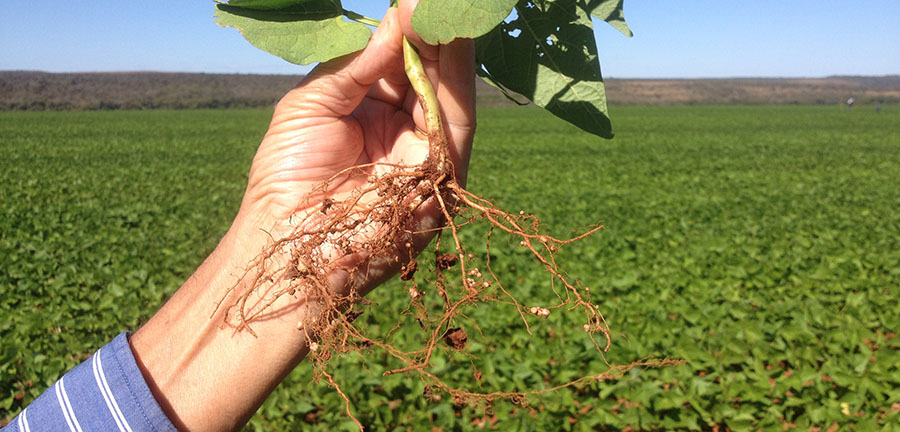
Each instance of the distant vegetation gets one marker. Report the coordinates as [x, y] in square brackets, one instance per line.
[755, 91]
[41, 91]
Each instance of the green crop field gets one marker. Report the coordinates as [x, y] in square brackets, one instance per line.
[760, 244]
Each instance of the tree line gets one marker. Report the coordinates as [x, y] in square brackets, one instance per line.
[42, 91]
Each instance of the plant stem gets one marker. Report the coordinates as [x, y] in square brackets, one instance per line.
[360, 18]
[438, 151]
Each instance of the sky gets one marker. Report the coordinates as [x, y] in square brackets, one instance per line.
[672, 39]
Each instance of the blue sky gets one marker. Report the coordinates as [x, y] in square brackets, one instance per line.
[683, 39]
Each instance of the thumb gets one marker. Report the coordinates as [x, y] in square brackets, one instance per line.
[343, 82]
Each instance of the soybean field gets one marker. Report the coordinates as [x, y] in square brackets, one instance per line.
[759, 244]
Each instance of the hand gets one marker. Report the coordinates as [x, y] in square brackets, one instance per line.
[350, 111]
[358, 110]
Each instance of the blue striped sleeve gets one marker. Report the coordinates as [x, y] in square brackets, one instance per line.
[105, 393]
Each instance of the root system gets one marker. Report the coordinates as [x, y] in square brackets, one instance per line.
[376, 225]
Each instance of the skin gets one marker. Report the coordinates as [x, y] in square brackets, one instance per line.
[350, 111]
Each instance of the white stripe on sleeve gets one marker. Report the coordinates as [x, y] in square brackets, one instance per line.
[62, 406]
[65, 396]
[112, 397]
[25, 420]
[106, 396]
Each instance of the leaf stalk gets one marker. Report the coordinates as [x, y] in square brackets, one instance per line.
[362, 19]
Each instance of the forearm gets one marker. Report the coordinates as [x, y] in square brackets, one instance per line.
[206, 374]
[358, 110]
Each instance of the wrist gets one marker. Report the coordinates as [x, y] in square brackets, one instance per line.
[190, 348]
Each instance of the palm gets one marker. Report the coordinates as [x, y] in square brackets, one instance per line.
[360, 110]
[303, 153]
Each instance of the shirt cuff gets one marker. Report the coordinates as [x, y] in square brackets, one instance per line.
[105, 393]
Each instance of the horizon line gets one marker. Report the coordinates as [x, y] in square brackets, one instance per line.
[733, 77]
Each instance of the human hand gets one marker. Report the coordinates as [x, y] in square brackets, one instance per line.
[357, 110]
[351, 111]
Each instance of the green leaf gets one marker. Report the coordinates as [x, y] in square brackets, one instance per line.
[490, 80]
[299, 31]
[611, 12]
[548, 54]
[441, 21]
[265, 4]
